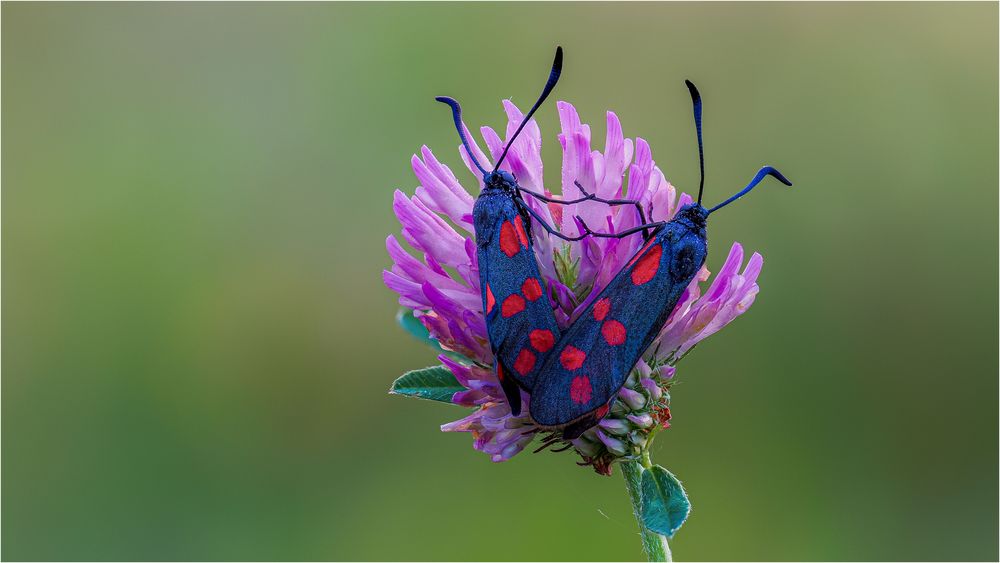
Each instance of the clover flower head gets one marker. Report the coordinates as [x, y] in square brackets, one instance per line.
[438, 278]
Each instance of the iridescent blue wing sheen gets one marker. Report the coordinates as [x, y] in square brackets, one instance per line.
[519, 320]
[591, 361]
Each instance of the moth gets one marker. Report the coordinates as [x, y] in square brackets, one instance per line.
[520, 322]
[575, 386]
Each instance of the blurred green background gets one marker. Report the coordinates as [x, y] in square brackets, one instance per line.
[197, 344]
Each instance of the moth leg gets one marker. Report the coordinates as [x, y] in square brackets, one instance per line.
[622, 234]
[548, 442]
[613, 202]
[547, 199]
[510, 389]
[552, 231]
[587, 196]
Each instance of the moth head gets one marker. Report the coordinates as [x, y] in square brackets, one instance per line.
[500, 179]
[693, 214]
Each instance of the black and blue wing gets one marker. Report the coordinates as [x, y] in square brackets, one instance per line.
[519, 320]
[591, 361]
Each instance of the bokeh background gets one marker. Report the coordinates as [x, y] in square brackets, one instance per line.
[197, 344]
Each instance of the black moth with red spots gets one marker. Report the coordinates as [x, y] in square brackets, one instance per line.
[591, 361]
[580, 379]
[519, 319]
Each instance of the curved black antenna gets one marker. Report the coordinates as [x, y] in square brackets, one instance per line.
[761, 174]
[553, 78]
[456, 113]
[696, 100]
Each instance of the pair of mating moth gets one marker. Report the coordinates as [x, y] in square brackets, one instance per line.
[573, 376]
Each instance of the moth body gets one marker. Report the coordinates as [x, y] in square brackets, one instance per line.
[519, 318]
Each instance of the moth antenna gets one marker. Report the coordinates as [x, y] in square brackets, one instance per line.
[761, 174]
[696, 101]
[456, 113]
[553, 79]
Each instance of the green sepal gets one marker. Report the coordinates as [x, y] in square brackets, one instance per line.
[435, 383]
[412, 324]
[567, 269]
[665, 505]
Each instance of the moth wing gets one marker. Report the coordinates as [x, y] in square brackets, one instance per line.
[595, 355]
[519, 320]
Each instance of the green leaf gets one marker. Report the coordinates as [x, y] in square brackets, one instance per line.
[412, 324]
[434, 383]
[665, 505]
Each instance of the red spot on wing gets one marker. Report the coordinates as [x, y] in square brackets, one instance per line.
[614, 332]
[521, 234]
[572, 358]
[579, 389]
[499, 372]
[531, 289]
[512, 306]
[525, 361]
[638, 254]
[601, 308]
[490, 300]
[647, 266]
[601, 411]
[508, 240]
[542, 340]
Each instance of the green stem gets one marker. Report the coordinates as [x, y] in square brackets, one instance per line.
[653, 544]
